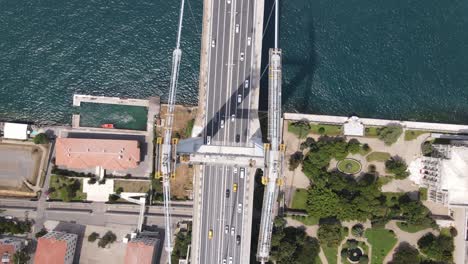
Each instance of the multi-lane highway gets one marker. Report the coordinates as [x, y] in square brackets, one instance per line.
[222, 214]
[222, 218]
[231, 39]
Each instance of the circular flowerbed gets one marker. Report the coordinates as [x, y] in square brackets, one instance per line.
[354, 254]
[349, 166]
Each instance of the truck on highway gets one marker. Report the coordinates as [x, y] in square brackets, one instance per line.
[242, 173]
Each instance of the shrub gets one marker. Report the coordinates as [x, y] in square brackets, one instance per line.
[41, 233]
[426, 148]
[321, 130]
[119, 190]
[93, 237]
[41, 139]
[92, 181]
[113, 197]
[357, 230]
[366, 147]
[397, 166]
[108, 238]
[364, 259]
[453, 231]
[354, 146]
[390, 134]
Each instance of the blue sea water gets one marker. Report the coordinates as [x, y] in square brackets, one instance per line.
[390, 59]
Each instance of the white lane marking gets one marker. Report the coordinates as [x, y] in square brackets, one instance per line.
[236, 80]
[229, 78]
[208, 75]
[214, 88]
[245, 105]
[252, 59]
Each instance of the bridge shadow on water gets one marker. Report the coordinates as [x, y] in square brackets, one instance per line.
[305, 65]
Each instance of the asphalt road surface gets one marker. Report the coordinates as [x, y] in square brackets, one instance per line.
[229, 70]
[222, 214]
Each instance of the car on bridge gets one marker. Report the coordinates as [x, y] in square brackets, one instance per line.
[210, 234]
[246, 84]
[242, 56]
[234, 187]
[213, 43]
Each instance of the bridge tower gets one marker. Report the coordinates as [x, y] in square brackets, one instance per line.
[165, 165]
[274, 151]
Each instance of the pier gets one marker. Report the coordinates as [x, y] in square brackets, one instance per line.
[81, 98]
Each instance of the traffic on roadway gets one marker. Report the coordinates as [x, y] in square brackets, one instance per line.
[229, 70]
[222, 213]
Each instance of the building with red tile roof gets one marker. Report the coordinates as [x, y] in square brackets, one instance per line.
[56, 248]
[109, 154]
[8, 247]
[142, 250]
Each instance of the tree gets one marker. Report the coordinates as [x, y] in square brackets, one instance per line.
[322, 202]
[405, 253]
[439, 248]
[390, 134]
[21, 257]
[41, 138]
[397, 166]
[321, 130]
[93, 236]
[330, 233]
[354, 146]
[292, 245]
[295, 160]
[357, 230]
[108, 238]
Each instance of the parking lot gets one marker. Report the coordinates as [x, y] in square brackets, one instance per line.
[17, 163]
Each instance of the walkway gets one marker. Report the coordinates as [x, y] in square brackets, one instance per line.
[402, 236]
[326, 119]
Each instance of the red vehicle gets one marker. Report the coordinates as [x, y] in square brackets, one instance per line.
[107, 125]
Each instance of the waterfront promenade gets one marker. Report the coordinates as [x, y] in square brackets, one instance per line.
[339, 120]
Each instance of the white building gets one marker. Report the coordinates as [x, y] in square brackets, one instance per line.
[353, 127]
[15, 131]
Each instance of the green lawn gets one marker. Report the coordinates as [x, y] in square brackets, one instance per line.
[413, 134]
[364, 152]
[330, 130]
[349, 166]
[330, 254]
[132, 186]
[378, 156]
[62, 184]
[422, 194]
[189, 128]
[300, 199]
[382, 241]
[371, 132]
[385, 179]
[300, 131]
[306, 220]
[411, 228]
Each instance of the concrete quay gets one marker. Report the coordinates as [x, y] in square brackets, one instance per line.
[82, 98]
[339, 120]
